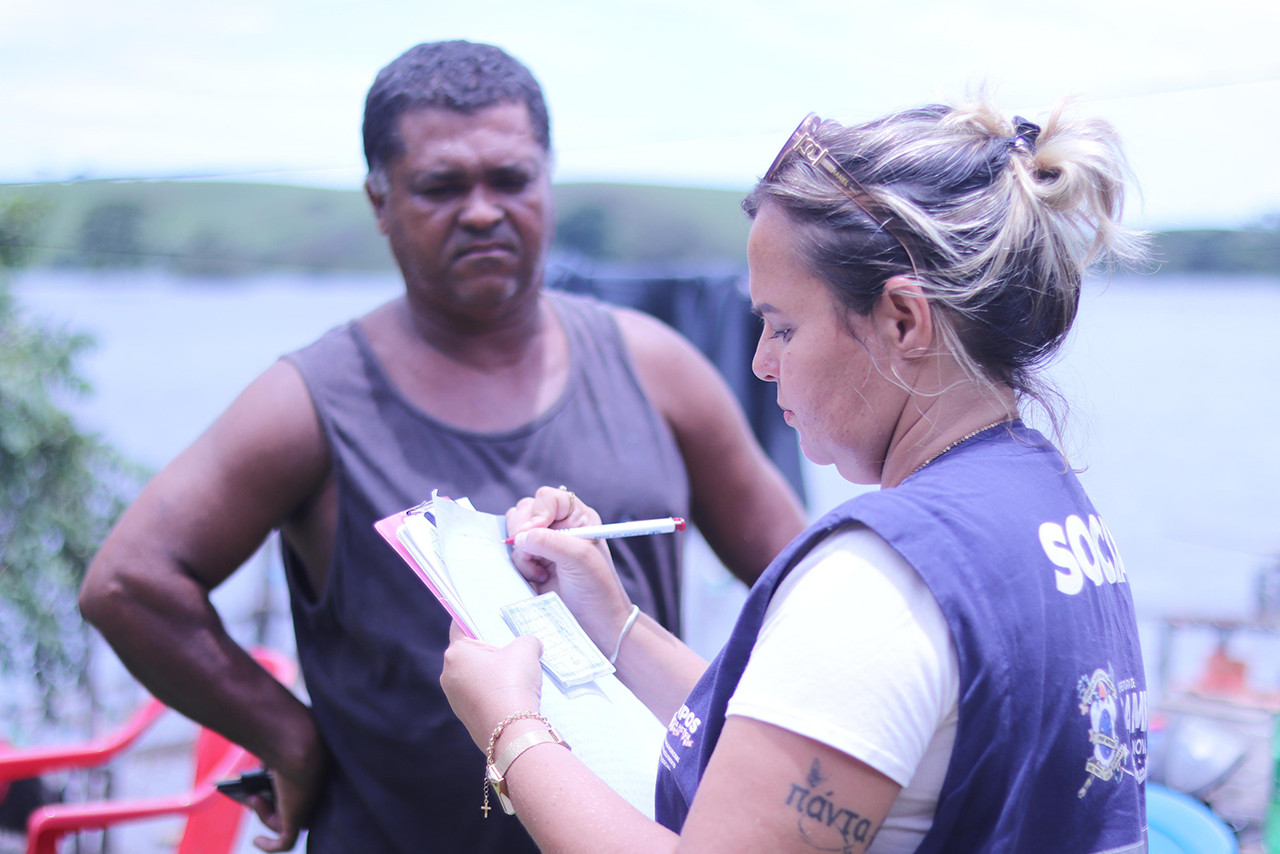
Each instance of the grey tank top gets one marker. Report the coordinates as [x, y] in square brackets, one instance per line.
[406, 777]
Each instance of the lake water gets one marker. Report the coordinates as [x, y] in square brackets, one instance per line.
[1173, 384]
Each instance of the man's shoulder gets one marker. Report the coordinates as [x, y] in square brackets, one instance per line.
[350, 335]
[578, 303]
[602, 322]
[336, 346]
[338, 336]
[650, 340]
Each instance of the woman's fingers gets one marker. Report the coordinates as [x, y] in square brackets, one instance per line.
[485, 683]
[549, 507]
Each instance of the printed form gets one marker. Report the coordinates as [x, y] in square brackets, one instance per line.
[460, 554]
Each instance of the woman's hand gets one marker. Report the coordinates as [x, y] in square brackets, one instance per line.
[486, 683]
[548, 508]
[580, 571]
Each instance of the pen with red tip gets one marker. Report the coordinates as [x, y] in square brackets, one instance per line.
[639, 528]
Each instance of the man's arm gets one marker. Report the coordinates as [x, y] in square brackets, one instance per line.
[741, 503]
[147, 590]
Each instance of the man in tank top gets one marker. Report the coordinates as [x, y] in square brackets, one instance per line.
[474, 381]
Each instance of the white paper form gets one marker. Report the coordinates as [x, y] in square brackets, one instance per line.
[605, 725]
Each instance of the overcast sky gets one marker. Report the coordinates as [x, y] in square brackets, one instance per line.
[696, 92]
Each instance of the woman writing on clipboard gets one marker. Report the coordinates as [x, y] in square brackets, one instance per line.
[950, 663]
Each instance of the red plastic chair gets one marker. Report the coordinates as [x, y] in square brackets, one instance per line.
[213, 820]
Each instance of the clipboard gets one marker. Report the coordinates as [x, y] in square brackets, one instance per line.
[460, 555]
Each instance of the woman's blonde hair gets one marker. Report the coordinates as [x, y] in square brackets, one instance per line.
[998, 220]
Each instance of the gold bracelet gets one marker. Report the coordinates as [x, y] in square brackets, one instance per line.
[497, 770]
[488, 754]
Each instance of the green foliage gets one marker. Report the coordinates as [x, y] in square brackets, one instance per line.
[60, 491]
[19, 218]
[110, 236]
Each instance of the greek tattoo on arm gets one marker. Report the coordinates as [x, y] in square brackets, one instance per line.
[823, 822]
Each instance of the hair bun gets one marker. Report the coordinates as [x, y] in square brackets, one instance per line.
[1025, 134]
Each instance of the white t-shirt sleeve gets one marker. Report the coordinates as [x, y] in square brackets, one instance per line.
[855, 653]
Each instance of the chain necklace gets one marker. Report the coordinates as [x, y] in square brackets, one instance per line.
[959, 441]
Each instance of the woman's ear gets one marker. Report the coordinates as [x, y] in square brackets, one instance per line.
[903, 317]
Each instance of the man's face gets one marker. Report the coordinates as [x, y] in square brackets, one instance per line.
[468, 210]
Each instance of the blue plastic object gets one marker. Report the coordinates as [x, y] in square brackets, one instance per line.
[1180, 824]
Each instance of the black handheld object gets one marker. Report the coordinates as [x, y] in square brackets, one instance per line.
[249, 783]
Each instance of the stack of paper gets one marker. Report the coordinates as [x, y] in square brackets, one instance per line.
[461, 555]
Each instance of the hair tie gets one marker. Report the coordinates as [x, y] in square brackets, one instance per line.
[1025, 134]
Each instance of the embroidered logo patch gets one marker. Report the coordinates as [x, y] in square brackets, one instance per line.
[1119, 745]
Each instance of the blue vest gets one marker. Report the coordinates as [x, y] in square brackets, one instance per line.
[1050, 751]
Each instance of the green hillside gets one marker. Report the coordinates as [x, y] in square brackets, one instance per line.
[218, 229]
[225, 229]
[202, 228]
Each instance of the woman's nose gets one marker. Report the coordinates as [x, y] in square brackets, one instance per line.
[764, 364]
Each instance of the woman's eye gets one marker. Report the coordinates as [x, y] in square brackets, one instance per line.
[784, 334]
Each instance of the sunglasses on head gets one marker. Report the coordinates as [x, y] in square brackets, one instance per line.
[804, 144]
